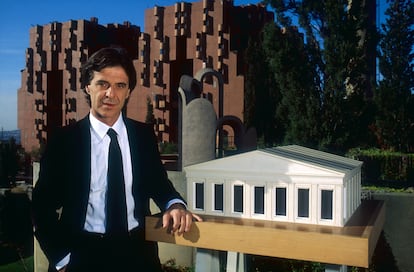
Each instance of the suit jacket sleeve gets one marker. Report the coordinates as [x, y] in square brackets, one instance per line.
[152, 178]
[47, 200]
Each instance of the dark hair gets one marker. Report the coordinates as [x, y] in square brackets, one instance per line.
[108, 57]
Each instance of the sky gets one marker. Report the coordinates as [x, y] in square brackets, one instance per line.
[18, 16]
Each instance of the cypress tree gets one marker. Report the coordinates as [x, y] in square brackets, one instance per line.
[335, 67]
[394, 98]
[260, 94]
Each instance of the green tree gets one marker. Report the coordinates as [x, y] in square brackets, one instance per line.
[260, 94]
[280, 98]
[9, 162]
[341, 55]
[336, 36]
[298, 102]
[394, 98]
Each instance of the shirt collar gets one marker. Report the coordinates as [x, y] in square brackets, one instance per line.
[101, 128]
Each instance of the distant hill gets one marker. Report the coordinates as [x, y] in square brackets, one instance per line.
[7, 135]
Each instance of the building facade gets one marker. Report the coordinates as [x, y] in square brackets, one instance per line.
[51, 94]
[177, 40]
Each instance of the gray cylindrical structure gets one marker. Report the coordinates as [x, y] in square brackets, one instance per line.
[198, 131]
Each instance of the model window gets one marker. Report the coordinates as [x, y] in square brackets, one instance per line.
[327, 203]
[259, 200]
[238, 198]
[303, 202]
[218, 197]
[281, 201]
[199, 194]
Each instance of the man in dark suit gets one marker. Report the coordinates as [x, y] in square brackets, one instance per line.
[81, 222]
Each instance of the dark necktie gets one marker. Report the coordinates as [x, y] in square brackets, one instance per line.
[116, 211]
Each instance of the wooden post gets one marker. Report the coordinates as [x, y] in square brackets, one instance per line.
[207, 260]
[236, 262]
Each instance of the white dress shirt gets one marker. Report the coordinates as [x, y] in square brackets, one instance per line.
[95, 215]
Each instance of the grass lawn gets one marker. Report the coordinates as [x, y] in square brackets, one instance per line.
[19, 266]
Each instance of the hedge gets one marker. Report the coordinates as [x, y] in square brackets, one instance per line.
[384, 165]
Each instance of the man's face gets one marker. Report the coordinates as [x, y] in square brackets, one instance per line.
[108, 91]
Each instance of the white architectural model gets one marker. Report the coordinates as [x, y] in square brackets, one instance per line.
[291, 184]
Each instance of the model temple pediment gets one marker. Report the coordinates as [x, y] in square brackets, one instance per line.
[290, 160]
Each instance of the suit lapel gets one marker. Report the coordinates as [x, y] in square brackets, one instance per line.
[83, 138]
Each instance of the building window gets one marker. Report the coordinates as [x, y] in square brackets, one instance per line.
[39, 105]
[238, 198]
[326, 204]
[199, 196]
[71, 105]
[303, 202]
[259, 199]
[218, 197]
[280, 201]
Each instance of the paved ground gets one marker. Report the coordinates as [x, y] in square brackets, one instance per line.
[398, 231]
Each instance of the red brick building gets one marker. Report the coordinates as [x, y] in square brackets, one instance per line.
[179, 39]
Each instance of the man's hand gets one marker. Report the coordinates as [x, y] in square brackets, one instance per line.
[180, 218]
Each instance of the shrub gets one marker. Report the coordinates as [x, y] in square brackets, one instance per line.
[385, 165]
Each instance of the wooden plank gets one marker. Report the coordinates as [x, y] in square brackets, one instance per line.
[351, 245]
